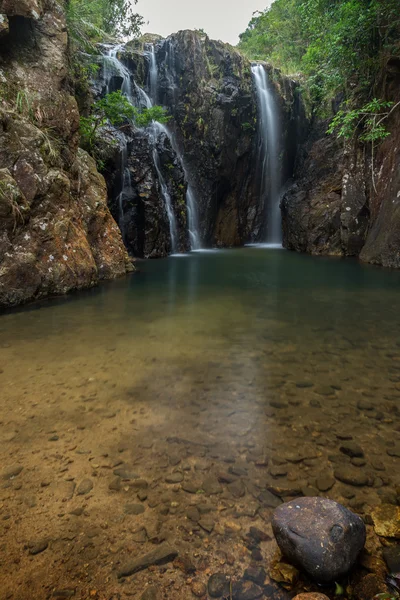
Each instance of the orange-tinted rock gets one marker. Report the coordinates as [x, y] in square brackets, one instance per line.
[56, 232]
[311, 596]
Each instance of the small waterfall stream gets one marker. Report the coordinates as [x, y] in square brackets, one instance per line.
[111, 66]
[126, 186]
[193, 223]
[268, 153]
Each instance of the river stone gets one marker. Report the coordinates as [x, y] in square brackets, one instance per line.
[255, 573]
[246, 590]
[150, 593]
[84, 487]
[218, 585]
[161, 556]
[176, 477]
[351, 476]
[325, 482]
[365, 405]
[268, 499]
[386, 519]
[133, 509]
[352, 449]
[319, 535]
[394, 451]
[11, 472]
[391, 554]
[125, 473]
[37, 547]
[211, 486]
[198, 589]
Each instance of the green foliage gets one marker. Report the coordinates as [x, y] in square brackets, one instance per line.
[144, 117]
[367, 121]
[201, 32]
[91, 21]
[337, 44]
[116, 110]
[24, 104]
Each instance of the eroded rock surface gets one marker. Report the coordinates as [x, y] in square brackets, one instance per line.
[56, 232]
[319, 535]
[345, 202]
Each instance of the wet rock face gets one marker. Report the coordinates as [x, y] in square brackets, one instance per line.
[326, 210]
[382, 246]
[141, 211]
[208, 88]
[344, 203]
[321, 536]
[56, 232]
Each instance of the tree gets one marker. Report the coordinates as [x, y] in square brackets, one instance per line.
[91, 21]
[337, 44]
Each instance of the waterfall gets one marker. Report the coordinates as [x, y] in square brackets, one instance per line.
[126, 186]
[191, 203]
[193, 224]
[111, 66]
[153, 74]
[268, 153]
[156, 130]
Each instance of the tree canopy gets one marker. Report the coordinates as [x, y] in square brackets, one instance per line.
[90, 21]
[337, 44]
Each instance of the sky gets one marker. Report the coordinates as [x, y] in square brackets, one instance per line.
[221, 19]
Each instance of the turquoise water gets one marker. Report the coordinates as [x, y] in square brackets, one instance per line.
[255, 357]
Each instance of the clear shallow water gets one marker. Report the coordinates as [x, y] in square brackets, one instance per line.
[250, 359]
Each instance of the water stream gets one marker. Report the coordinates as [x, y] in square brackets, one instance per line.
[156, 128]
[268, 153]
[111, 66]
[191, 204]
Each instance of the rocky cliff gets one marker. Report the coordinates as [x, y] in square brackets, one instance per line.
[56, 232]
[345, 200]
[208, 89]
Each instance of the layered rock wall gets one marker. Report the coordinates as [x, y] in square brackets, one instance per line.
[346, 197]
[208, 89]
[56, 232]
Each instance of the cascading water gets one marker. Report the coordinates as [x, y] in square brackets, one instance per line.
[126, 186]
[193, 221]
[268, 153]
[153, 74]
[156, 129]
[113, 66]
[193, 224]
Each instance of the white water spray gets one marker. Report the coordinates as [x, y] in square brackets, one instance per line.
[268, 154]
[193, 224]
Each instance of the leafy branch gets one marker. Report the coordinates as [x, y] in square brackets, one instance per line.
[115, 110]
[369, 118]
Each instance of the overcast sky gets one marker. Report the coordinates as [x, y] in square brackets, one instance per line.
[221, 19]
